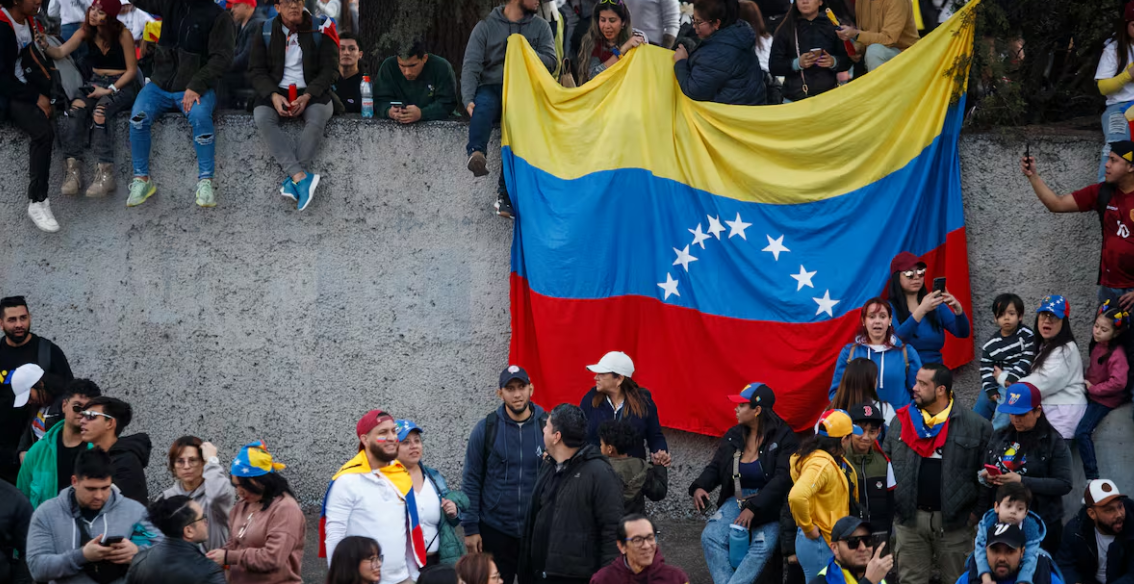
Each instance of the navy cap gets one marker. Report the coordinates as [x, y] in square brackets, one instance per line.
[1008, 534]
[513, 372]
[756, 394]
[846, 527]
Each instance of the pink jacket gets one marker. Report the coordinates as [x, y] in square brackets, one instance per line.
[1108, 379]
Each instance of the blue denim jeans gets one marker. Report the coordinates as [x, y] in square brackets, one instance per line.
[152, 101]
[1095, 413]
[813, 554]
[489, 102]
[714, 541]
[984, 406]
[1115, 128]
[876, 56]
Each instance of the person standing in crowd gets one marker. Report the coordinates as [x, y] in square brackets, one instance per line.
[921, 317]
[807, 52]
[1105, 380]
[349, 84]
[1011, 505]
[46, 470]
[177, 558]
[885, 29]
[90, 532]
[1006, 549]
[1029, 451]
[26, 384]
[1058, 368]
[372, 494]
[357, 560]
[658, 19]
[15, 517]
[193, 55]
[874, 471]
[443, 574]
[438, 508]
[24, 100]
[724, 67]
[21, 346]
[502, 461]
[482, 78]
[572, 524]
[616, 396]
[134, 20]
[267, 525]
[937, 450]
[1097, 547]
[1115, 77]
[70, 14]
[113, 81]
[641, 560]
[104, 420]
[825, 487]
[416, 86]
[236, 90]
[1006, 357]
[198, 474]
[478, 569]
[292, 71]
[855, 553]
[610, 37]
[750, 12]
[857, 385]
[751, 467]
[876, 341]
[640, 479]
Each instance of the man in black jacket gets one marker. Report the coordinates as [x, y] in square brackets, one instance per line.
[194, 52]
[103, 423]
[236, 92]
[572, 523]
[1101, 520]
[15, 516]
[177, 559]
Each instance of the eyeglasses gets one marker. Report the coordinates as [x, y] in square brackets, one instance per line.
[201, 518]
[911, 273]
[187, 462]
[376, 561]
[696, 23]
[641, 539]
[855, 542]
[90, 415]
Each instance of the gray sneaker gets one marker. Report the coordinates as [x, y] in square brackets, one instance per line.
[205, 195]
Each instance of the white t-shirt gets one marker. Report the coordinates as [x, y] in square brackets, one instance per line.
[24, 38]
[135, 20]
[1108, 67]
[1103, 541]
[293, 62]
[429, 513]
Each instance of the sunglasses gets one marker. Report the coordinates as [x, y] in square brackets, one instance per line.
[90, 415]
[856, 541]
[911, 273]
[611, 2]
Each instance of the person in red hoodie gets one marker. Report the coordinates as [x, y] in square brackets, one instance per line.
[641, 562]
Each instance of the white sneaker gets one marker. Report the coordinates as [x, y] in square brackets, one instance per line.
[40, 214]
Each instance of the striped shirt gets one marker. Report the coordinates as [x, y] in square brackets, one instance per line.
[1013, 354]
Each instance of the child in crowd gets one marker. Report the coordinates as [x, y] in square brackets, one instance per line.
[640, 479]
[1006, 357]
[1012, 503]
[1106, 376]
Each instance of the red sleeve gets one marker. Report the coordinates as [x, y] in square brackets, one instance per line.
[1086, 198]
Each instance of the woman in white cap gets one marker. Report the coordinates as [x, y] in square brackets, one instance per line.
[616, 396]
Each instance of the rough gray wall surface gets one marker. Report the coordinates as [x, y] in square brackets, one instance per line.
[252, 321]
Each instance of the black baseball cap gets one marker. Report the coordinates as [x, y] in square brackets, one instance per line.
[865, 412]
[1008, 534]
[846, 527]
[513, 372]
[1124, 149]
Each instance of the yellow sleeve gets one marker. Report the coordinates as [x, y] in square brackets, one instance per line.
[810, 481]
[1114, 84]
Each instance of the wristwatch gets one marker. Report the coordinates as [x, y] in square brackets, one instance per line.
[112, 88]
[213, 460]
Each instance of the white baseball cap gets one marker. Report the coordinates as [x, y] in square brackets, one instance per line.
[22, 379]
[614, 362]
[1100, 492]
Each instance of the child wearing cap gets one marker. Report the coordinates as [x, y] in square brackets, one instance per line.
[1005, 357]
[1107, 372]
[1012, 507]
[1058, 369]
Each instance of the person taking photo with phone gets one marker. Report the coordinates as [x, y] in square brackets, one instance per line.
[807, 52]
[922, 316]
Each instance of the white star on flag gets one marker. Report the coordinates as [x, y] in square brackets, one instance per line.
[699, 236]
[803, 278]
[683, 258]
[715, 226]
[775, 246]
[737, 227]
[670, 287]
[825, 304]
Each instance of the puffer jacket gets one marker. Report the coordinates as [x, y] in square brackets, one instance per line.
[451, 547]
[962, 458]
[196, 47]
[813, 34]
[724, 68]
[1046, 472]
[775, 455]
[174, 561]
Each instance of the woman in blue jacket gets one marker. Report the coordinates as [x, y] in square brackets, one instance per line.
[897, 363]
[724, 68]
[616, 396]
[922, 317]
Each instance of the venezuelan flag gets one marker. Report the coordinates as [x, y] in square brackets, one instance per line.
[716, 244]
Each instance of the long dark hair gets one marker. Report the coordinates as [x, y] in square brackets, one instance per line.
[594, 39]
[749, 11]
[269, 486]
[898, 299]
[1046, 347]
[1119, 330]
[786, 29]
[632, 392]
[350, 552]
[475, 568]
[1123, 41]
[110, 31]
[832, 446]
[860, 378]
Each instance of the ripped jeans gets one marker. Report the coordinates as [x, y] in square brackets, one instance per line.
[1115, 128]
[153, 101]
[75, 122]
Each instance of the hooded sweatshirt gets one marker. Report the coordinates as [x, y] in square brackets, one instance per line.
[39, 475]
[484, 54]
[897, 373]
[130, 456]
[58, 532]
[821, 494]
[1108, 379]
[500, 488]
[640, 479]
[619, 572]
[216, 498]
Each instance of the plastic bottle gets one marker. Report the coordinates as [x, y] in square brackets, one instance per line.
[737, 545]
[367, 98]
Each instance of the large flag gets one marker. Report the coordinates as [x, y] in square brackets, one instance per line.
[716, 244]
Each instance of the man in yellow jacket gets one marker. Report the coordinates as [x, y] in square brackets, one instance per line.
[885, 28]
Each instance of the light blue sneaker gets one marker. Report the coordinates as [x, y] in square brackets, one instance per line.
[305, 191]
[287, 189]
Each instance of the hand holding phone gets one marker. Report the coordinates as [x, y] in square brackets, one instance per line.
[992, 470]
[816, 53]
[109, 541]
[939, 285]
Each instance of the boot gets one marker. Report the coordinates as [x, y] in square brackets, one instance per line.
[72, 177]
[103, 183]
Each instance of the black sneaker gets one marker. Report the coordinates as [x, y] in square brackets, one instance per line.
[503, 206]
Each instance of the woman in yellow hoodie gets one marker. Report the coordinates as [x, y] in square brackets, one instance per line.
[824, 486]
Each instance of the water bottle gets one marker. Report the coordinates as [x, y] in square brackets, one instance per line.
[367, 97]
[737, 545]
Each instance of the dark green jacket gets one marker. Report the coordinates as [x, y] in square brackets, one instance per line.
[434, 91]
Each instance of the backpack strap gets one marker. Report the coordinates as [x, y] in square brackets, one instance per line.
[490, 429]
[1106, 193]
[317, 23]
[44, 357]
[267, 31]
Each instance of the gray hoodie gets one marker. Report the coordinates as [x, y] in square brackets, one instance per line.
[484, 55]
[216, 498]
[55, 546]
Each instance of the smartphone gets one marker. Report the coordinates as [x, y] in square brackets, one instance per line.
[882, 538]
[939, 284]
[109, 541]
[992, 470]
[816, 52]
[397, 105]
[1028, 155]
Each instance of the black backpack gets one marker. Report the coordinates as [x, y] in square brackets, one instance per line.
[1106, 193]
[491, 428]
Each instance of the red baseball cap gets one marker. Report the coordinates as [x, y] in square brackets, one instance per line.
[229, 3]
[905, 261]
[370, 421]
[1129, 13]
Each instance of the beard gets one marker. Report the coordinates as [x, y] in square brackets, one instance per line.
[17, 338]
[1113, 528]
[375, 450]
[517, 411]
[528, 11]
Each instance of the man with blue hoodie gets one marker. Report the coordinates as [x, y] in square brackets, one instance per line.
[89, 533]
[508, 446]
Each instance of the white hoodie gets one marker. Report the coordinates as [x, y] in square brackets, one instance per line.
[69, 11]
[1059, 380]
[370, 505]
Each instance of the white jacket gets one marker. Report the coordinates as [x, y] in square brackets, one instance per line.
[1060, 377]
[656, 18]
[69, 11]
[370, 505]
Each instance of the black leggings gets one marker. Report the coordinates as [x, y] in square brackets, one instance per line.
[31, 120]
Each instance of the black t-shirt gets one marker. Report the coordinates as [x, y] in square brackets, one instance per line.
[65, 460]
[14, 421]
[929, 485]
[349, 91]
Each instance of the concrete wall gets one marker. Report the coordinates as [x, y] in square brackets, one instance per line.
[251, 320]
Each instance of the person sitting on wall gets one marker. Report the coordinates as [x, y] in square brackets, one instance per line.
[349, 85]
[416, 86]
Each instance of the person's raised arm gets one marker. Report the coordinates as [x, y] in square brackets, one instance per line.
[1053, 202]
[66, 48]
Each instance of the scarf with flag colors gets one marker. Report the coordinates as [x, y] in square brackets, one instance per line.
[716, 243]
[924, 434]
